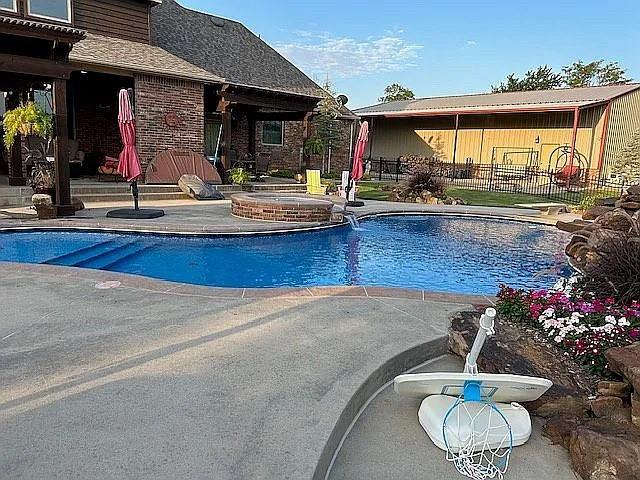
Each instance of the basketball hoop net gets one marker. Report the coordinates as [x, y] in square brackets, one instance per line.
[478, 439]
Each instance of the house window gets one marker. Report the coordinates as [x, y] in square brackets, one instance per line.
[50, 9]
[273, 133]
[10, 5]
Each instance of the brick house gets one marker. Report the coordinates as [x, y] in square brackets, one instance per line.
[201, 83]
[266, 102]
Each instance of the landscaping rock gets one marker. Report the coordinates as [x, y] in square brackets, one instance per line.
[595, 212]
[602, 450]
[558, 429]
[610, 388]
[611, 408]
[630, 205]
[614, 221]
[607, 202]
[635, 409]
[567, 405]
[625, 361]
[634, 190]
[43, 205]
[77, 204]
[574, 226]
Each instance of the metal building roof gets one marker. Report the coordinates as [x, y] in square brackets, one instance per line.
[539, 100]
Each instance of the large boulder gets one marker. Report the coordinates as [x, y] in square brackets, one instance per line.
[614, 220]
[625, 361]
[595, 212]
[193, 186]
[599, 449]
[634, 190]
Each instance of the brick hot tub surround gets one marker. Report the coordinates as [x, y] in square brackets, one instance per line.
[281, 207]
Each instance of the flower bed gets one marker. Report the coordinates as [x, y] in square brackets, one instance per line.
[583, 326]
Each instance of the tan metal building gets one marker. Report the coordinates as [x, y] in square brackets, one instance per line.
[521, 128]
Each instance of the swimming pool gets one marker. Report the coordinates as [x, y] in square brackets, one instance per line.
[448, 254]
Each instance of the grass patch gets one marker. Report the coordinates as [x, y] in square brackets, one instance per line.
[493, 199]
[373, 191]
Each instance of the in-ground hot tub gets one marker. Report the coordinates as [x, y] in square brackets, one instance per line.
[281, 207]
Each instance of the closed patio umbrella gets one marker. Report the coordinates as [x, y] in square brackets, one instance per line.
[128, 160]
[357, 168]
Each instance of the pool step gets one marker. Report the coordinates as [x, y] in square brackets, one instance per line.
[104, 260]
[76, 256]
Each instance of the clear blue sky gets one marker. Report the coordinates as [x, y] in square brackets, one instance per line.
[436, 47]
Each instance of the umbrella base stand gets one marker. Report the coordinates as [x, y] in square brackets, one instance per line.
[355, 203]
[133, 214]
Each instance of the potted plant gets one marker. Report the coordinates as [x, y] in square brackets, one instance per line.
[29, 120]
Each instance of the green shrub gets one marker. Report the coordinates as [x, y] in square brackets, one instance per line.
[331, 176]
[591, 200]
[239, 176]
[284, 173]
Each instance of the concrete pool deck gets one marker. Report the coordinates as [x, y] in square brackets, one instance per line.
[214, 217]
[159, 380]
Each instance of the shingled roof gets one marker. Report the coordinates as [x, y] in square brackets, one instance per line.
[125, 55]
[557, 99]
[226, 48]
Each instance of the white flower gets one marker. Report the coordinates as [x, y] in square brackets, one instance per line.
[623, 322]
[558, 339]
[549, 312]
[610, 319]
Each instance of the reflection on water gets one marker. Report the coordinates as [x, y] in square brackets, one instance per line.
[466, 255]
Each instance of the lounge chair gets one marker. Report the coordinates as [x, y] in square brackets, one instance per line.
[314, 185]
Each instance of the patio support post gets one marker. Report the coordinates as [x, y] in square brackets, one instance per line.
[455, 143]
[574, 136]
[306, 132]
[603, 138]
[251, 121]
[61, 149]
[226, 137]
[16, 176]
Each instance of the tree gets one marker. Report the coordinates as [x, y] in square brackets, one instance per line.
[580, 74]
[395, 92]
[628, 161]
[326, 124]
[542, 78]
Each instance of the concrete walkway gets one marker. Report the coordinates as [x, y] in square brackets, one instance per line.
[169, 382]
[387, 442]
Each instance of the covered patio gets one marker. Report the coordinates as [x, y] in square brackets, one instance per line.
[34, 57]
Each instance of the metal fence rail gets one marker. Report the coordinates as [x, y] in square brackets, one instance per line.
[567, 185]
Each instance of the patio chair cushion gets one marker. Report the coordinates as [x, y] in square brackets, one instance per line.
[168, 166]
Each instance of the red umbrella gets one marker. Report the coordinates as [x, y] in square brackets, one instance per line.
[129, 162]
[358, 169]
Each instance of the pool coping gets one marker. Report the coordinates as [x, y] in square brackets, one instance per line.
[155, 285]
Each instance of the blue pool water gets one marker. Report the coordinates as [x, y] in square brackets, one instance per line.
[449, 254]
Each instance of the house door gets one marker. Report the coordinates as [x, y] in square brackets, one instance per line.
[212, 130]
